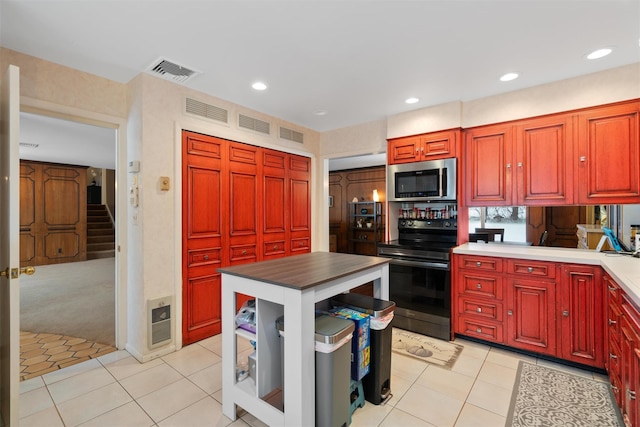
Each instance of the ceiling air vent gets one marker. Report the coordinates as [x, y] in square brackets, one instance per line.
[254, 124]
[291, 135]
[171, 71]
[207, 110]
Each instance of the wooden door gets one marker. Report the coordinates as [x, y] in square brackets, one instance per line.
[608, 153]
[544, 155]
[581, 315]
[531, 319]
[299, 204]
[275, 214]
[488, 166]
[203, 191]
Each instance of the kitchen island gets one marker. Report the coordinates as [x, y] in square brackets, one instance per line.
[291, 287]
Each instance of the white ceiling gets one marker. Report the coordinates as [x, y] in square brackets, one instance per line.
[356, 60]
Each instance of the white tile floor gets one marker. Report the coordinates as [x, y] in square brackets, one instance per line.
[185, 389]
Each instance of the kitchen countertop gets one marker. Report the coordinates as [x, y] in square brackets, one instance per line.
[624, 269]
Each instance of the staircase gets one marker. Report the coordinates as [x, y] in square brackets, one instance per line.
[101, 236]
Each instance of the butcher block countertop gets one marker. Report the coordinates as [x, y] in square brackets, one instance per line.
[624, 269]
[306, 270]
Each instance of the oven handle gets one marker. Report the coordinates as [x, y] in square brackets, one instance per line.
[425, 264]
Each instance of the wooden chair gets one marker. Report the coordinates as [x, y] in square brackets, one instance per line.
[543, 238]
[492, 233]
[479, 237]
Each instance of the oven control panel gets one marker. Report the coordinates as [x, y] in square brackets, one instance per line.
[427, 224]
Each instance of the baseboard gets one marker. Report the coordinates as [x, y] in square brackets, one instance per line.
[150, 356]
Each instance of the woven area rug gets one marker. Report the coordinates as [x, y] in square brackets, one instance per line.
[428, 349]
[547, 397]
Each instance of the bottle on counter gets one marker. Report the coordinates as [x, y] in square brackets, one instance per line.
[635, 237]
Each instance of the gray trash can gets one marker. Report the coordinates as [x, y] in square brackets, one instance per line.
[377, 383]
[333, 369]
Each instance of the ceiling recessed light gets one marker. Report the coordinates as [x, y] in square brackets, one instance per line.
[320, 113]
[411, 100]
[599, 53]
[508, 77]
[259, 86]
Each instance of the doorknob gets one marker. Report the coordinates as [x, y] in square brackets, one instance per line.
[15, 272]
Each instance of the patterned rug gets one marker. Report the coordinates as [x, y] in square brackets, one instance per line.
[547, 397]
[428, 349]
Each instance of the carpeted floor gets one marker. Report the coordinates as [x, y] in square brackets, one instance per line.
[73, 299]
[547, 397]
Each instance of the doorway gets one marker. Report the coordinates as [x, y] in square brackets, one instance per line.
[70, 304]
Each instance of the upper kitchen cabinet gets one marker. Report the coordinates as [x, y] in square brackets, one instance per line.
[431, 146]
[608, 150]
[543, 162]
[488, 165]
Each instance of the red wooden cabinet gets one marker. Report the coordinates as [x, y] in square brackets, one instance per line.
[581, 315]
[630, 365]
[488, 169]
[530, 305]
[431, 146]
[241, 204]
[608, 150]
[544, 161]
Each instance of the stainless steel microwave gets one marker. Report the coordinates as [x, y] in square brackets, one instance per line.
[422, 181]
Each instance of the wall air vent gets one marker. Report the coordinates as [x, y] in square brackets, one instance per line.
[254, 124]
[171, 71]
[291, 135]
[29, 145]
[207, 110]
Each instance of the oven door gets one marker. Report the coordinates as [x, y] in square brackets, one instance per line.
[422, 293]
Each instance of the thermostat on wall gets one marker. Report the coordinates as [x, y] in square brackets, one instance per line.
[134, 166]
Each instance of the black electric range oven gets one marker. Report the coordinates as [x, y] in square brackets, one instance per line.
[420, 275]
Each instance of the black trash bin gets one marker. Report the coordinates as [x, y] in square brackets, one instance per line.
[333, 368]
[377, 383]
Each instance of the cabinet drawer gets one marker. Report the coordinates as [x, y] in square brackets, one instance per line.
[481, 286]
[243, 252]
[300, 245]
[614, 359]
[613, 320]
[531, 268]
[206, 256]
[481, 263]
[480, 329]
[274, 248]
[491, 309]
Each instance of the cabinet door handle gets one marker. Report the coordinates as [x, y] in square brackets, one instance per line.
[530, 269]
[631, 394]
[275, 247]
[519, 164]
[478, 264]
[612, 288]
[206, 257]
[510, 312]
[612, 322]
[244, 252]
[565, 313]
[583, 158]
[479, 330]
[479, 310]
[614, 388]
[508, 165]
[613, 356]
[479, 286]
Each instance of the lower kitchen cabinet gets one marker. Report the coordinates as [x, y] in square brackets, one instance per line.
[531, 315]
[544, 307]
[581, 315]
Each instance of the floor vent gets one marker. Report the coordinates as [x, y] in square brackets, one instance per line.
[207, 110]
[159, 318]
[171, 71]
[254, 124]
[291, 135]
